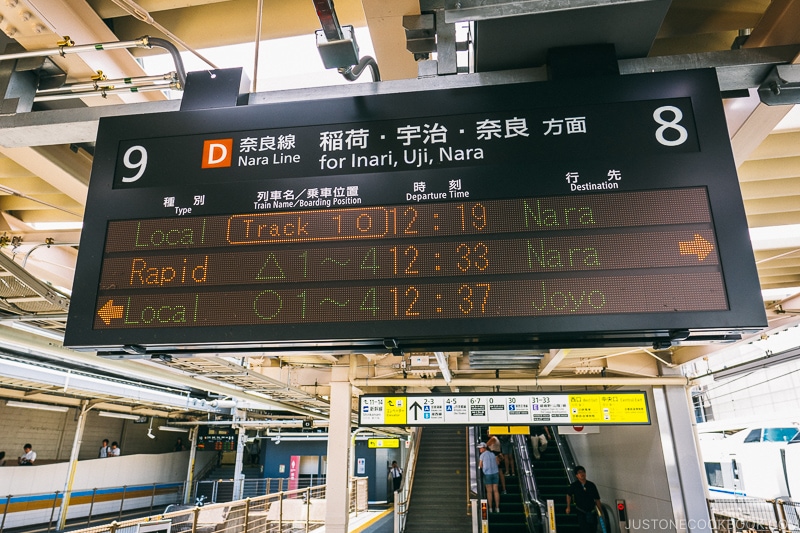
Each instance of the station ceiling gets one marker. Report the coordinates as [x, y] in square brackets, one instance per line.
[45, 164]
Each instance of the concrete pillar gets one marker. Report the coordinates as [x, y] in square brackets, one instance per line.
[684, 469]
[339, 470]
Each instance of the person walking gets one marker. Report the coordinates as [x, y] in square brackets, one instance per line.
[494, 446]
[507, 448]
[539, 437]
[114, 451]
[584, 497]
[396, 474]
[488, 464]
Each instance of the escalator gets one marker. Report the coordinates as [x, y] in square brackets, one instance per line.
[511, 518]
[552, 483]
[439, 499]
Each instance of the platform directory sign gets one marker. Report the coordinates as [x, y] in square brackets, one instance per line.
[523, 409]
[529, 214]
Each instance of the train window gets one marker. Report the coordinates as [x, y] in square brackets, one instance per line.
[753, 436]
[714, 474]
[779, 434]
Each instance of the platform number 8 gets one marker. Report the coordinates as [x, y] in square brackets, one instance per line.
[664, 125]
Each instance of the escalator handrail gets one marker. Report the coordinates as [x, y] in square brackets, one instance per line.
[530, 492]
[565, 452]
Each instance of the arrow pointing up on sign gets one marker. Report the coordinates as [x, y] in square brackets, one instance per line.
[699, 247]
[415, 407]
[110, 311]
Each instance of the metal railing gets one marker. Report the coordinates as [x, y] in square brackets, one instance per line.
[87, 506]
[403, 496]
[91, 504]
[535, 509]
[754, 514]
[281, 512]
[222, 490]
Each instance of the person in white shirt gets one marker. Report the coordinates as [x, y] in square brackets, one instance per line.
[104, 449]
[396, 473]
[114, 451]
[29, 457]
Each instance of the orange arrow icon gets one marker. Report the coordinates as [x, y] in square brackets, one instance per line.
[699, 247]
[110, 311]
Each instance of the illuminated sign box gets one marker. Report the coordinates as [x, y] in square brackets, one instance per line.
[533, 214]
[383, 443]
[514, 409]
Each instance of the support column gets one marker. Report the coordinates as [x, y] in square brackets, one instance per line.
[684, 472]
[187, 493]
[241, 442]
[337, 508]
[73, 463]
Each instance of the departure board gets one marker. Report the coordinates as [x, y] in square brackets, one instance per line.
[507, 215]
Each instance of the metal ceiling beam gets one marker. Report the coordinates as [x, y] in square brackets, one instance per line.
[778, 26]
[738, 70]
[68, 380]
[42, 289]
[525, 382]
[463, 10]
[19, 343]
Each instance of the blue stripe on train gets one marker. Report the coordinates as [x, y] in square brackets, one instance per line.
[81, 493]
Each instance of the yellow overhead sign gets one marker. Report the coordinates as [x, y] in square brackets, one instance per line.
[509, 430]
[383, 443]
[395, 410]
[509, 413]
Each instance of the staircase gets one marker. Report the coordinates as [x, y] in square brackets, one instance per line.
[552, 482]
[223, 475]
[439, 501]
[511, 518]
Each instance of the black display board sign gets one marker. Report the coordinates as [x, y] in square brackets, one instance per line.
[594, 212]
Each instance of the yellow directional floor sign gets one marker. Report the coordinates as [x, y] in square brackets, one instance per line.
[602, 408]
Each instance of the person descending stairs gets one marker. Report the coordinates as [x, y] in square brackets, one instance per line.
[552, 482]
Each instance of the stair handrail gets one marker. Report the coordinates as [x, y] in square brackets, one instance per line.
[476, 480]
[402, 498]
[535, 509]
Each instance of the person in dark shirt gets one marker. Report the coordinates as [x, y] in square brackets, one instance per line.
[396, 475]
[582, 495]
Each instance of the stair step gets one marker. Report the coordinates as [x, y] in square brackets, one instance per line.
[439, 496]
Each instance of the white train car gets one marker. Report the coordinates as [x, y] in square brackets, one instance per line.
[756, 462]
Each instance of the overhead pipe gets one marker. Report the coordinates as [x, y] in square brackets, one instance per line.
[527, 382]
[110, 84]
[68, 46]
[104, 91]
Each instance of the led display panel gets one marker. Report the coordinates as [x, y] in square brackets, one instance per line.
[606, 212]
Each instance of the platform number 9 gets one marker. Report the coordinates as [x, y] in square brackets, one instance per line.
[135, 158]
[665, 125]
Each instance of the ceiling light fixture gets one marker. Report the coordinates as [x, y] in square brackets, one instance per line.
[110, 414]
[173, 428]
[589, 370]
[39, 406]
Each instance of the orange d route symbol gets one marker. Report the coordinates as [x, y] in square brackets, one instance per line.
[110, 311]
[699, 247]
